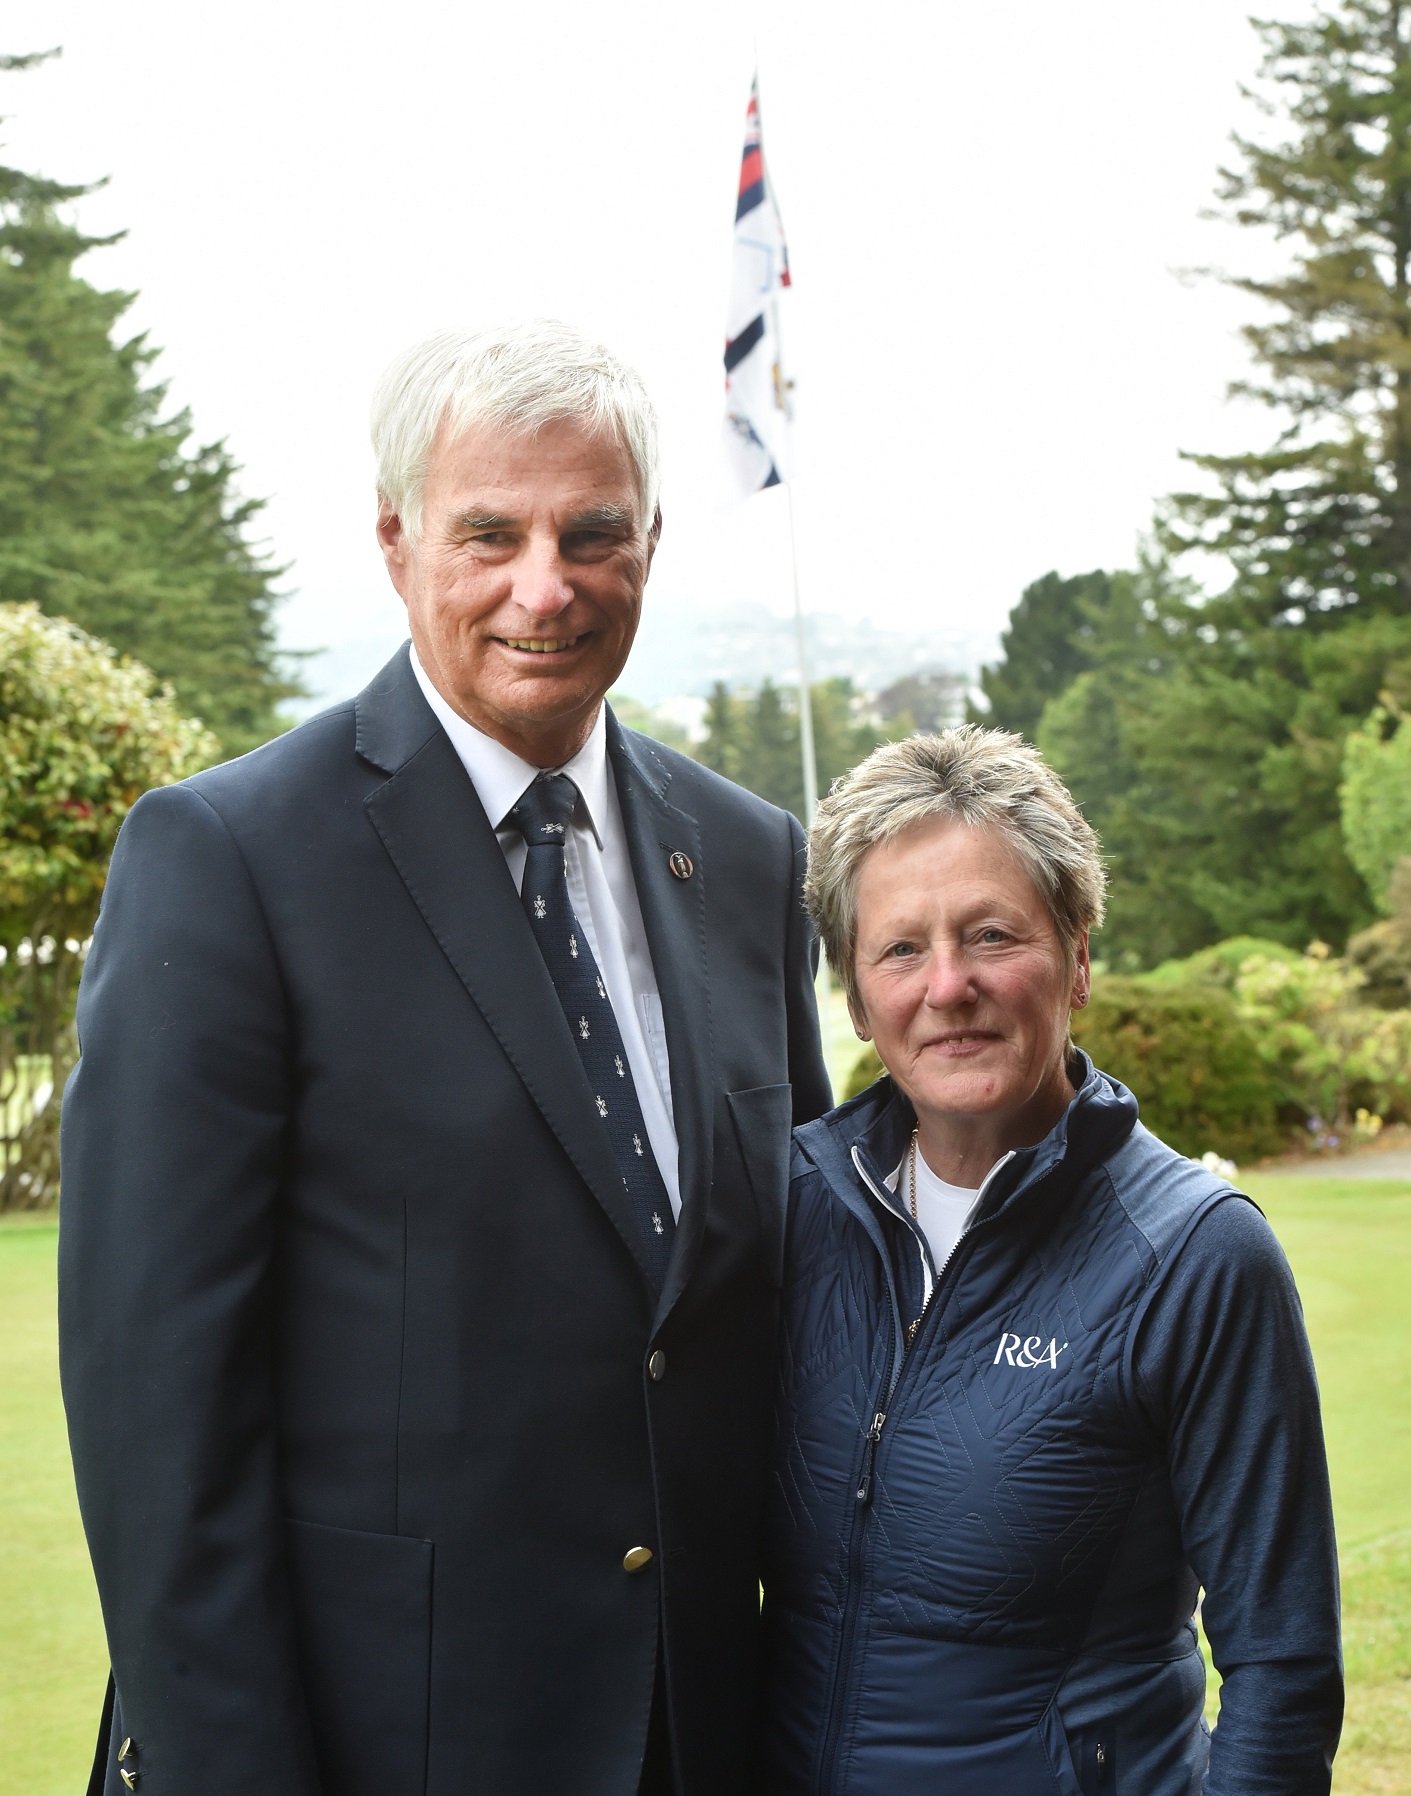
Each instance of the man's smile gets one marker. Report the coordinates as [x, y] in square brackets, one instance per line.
[542, 645]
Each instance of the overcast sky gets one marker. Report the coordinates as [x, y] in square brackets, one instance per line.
[986, 208]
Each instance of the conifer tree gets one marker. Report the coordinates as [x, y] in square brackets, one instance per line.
[108, 516]
[1318, 526]
[1047, 645]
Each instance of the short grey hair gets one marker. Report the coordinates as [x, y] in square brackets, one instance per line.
[517, 377]
[987, 779]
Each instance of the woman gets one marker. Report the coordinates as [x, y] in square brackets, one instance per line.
[1043, 1378]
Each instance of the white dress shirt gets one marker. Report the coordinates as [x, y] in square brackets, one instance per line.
[603, 894]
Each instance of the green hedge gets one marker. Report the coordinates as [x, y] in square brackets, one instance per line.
[1194, 1066]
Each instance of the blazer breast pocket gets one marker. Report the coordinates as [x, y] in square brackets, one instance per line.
[764, 1119]
[362, 1612]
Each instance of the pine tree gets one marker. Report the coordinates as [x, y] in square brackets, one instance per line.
[1047, 645]
[1318, 527]
[753, 738]
[107, 515]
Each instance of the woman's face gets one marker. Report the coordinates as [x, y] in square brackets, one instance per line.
[961, 977]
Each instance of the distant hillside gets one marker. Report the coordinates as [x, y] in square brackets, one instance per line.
[678, 653]
[682, 654]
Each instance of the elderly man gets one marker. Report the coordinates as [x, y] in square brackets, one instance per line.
[425, 1169]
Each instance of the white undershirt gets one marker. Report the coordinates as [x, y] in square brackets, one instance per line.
[603, 893]
[942, 1210]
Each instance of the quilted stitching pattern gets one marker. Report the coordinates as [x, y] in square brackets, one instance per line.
[1001, 1489]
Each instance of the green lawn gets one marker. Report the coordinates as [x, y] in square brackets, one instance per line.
[53, 1666]
[1350, 1244]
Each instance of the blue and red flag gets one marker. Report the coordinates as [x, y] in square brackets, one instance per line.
[758, 407]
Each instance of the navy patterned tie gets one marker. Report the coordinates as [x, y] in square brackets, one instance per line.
[542, 817]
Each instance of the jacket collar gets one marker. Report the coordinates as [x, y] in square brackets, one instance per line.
[878, 1123]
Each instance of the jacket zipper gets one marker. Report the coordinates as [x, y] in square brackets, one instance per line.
[872, 1440]
[933, 1285]
[850, 1602]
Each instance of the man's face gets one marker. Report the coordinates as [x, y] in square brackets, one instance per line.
[524, 590]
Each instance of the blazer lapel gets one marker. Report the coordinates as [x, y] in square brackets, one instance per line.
[674, 914]
[439, 839]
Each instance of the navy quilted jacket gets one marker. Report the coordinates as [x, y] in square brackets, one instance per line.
[989, 1528]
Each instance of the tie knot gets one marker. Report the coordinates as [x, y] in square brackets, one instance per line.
[543, 814]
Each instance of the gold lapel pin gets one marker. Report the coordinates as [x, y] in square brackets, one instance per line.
[680, 865]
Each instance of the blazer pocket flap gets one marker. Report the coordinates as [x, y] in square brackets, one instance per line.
[362, 1613]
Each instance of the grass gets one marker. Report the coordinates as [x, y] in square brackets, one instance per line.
[53, 1664]
[1350, 1245]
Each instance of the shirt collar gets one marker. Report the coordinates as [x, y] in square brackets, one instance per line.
[501, 778]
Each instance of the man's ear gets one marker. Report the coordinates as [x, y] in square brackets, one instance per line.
[393, 541]
[654, 536]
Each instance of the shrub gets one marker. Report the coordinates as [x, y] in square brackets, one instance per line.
[1330, 1051]
[1192, 1063]
[82, 736]
[1217, 965]
[867, 1070]
[1382, 954]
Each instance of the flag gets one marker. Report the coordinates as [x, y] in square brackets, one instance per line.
[758, 406]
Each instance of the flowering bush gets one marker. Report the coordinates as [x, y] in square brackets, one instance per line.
[1328, 1049]
[82, 735]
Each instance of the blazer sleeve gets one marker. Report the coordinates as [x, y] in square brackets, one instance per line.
[1224, 1360]
[808, 1072]
[174, 1129]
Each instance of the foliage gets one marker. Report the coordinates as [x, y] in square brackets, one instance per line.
[1318, 527]
[1212, 776]
[1048, 644]
[82, 736]
[1331, 1053]
[753, 738]
[1376, 798]
[1217, 965]
[1193, 1065]
[1382, 954]
[1203, 735]
[634, 715]
[106, 515]
[867, 1069]
[923, 701]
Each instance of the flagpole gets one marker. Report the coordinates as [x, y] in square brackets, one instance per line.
[806, 748]
[822, 985]
[746, 350]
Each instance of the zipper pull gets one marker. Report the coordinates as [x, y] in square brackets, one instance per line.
[873, 1435]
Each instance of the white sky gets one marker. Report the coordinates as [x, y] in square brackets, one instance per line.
[996, 363]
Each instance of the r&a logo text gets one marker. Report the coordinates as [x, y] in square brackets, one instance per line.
[1029, 1351]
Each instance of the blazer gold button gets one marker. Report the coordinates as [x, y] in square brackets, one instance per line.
[656, 1365]
[130, 1778]
[680, 865]
[635, 1558]
[125, 1750]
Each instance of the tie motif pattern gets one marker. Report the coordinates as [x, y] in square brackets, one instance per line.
[542, 817]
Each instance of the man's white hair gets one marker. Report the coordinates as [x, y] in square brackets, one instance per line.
[518, 378]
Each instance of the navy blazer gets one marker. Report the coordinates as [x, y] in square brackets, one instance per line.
[354, 1329]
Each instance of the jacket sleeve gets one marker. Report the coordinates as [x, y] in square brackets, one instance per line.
[813, 1092]
[1223, 1358]
[174, 1130]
